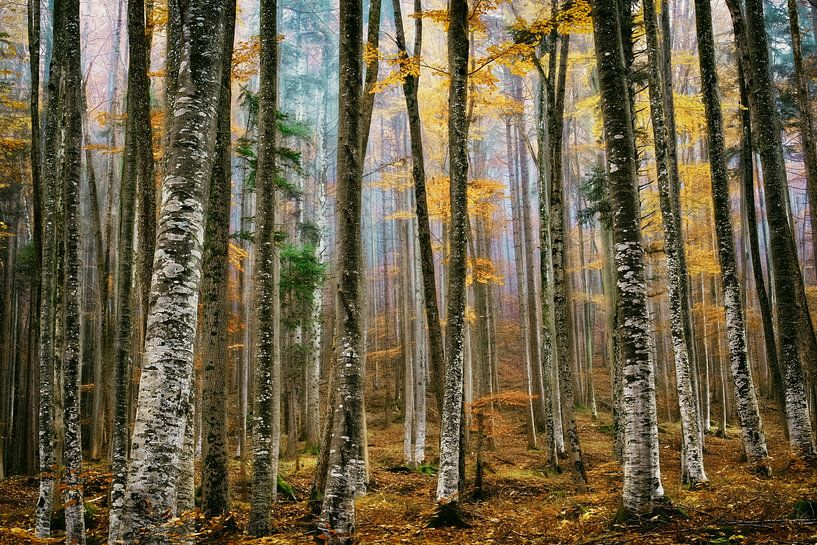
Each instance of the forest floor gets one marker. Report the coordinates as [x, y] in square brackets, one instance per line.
[522, 503]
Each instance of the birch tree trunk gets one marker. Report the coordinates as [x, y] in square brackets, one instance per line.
[747, 407]
[641, 487]
[692, 448]
[167, 374]
[346, 466]
[451, 433]
[215, 499]
[267, 408]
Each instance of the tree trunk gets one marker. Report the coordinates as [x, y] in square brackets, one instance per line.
[411, 84]
[215, 498]
[451, 433]
[557, 248]
[346, 466]
[748, 411]
[692, 449]
[167, 374]
[785, 270]
[48, 283]
[807, 143]
[641, 485]
[71, 160]
[267, 409]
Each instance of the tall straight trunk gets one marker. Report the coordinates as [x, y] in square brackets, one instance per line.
[747, 406]
[540, 407]
[450, 476]
[346, 466]
[215, 498]
[98, 426]
[520, 259]
[267, 408]
[787, 283]
[167, 373]
[48, 285]
[675, 185]
[123, 342]
[557, 248]
[747, 180]
[71, 161]
[641, 483]
[548, 401]
[436, 355]
[693, 463]
[139, 91]
[806, 122]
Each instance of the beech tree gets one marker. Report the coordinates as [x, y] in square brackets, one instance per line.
[166, 379]
[450, 477]
[747, 406]
[267, 408]
[641, 485]
[346, 467]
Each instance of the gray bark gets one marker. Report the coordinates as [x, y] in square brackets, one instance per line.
[641, 486]
[167, 373]
[747, 406]
[267, 408]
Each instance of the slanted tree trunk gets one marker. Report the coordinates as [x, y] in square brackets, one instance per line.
[267, 409]
[346, 466]
[785, 269]
[215, 498]
[641, 485]
[451, 433]
[692, 448]
[167, 373]
[747, 407]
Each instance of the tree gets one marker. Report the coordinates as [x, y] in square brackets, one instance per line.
[166, 379]
[557, 250]
[641, 487]
[346, 467]
[266, 412]
[747, 407]
[784, 264]
[450, 475]
[69, 168]
[48, 283]
[410, 90]
[134, 168]
[693, 464]
[214, 472]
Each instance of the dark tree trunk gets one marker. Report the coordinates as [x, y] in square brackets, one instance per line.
[215, 499]
[266, 413]
[641, 483]
[346, 467]
[747, 407]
